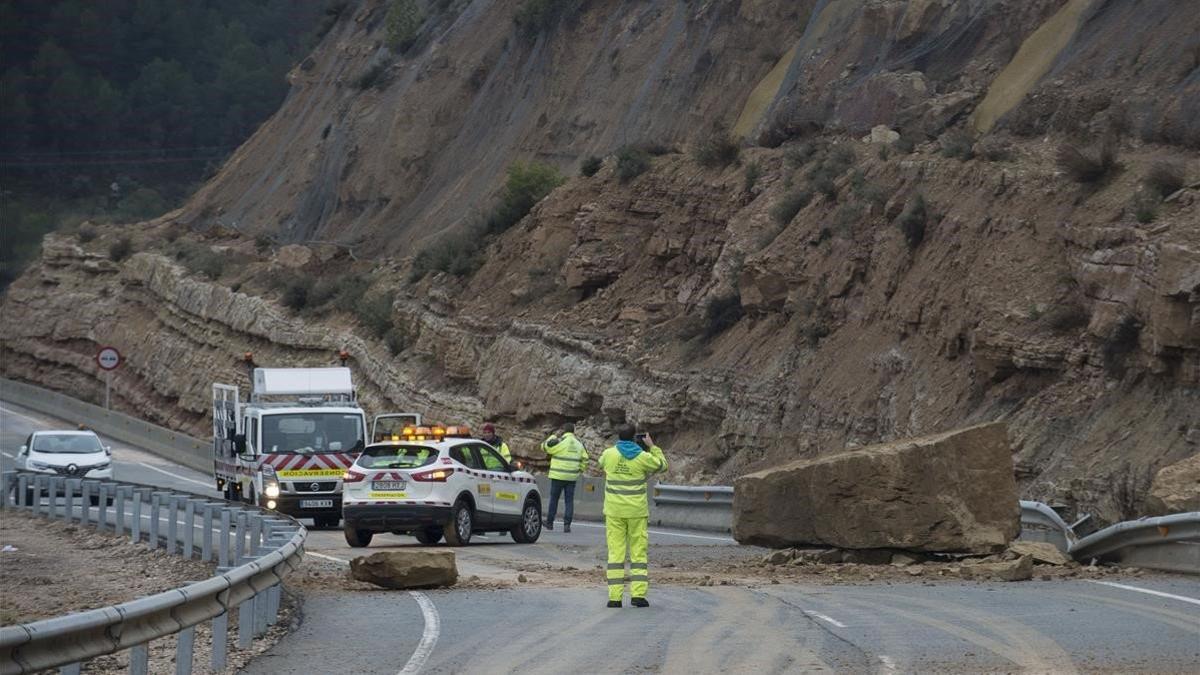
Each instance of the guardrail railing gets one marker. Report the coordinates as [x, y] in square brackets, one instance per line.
[1166, 542]
[689, 495]
[1039, 522]
[254, 550]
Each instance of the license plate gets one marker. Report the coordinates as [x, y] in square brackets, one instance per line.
[316, 503]
[386, 485]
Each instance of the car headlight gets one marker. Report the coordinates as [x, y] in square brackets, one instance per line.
[38, 466]
[102, 467]
[271, 490]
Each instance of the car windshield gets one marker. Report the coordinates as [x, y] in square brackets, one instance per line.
[304, 433]
[67, 444]
[396, 457]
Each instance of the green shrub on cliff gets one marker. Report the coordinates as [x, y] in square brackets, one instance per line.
[403, 22]
[527, 185]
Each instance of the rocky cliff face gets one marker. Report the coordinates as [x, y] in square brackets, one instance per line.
[686, 299]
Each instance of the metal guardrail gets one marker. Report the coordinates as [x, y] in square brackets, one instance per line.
[1179, 528]
[1039, 522]
[691, 495]
[253, 548]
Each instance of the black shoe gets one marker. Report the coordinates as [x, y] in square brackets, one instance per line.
[566, 527]
[614, 603]
[639, 602]
[550, 525]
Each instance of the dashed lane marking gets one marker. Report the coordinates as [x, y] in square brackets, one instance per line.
[667, 534]
[824, 617]
[174, 475]
[1181, 598]
[429, 637]
[8, 455]
[24, 417]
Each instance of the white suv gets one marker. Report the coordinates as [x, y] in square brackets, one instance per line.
[445, 487]
[74, 454]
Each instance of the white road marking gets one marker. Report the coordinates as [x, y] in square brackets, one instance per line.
[175, 475]
[322, 556]
[433, 624]
[1172, 596]
[7, 455]
[429, 638]
[826, 618]
[24, 417]
[666, 534]
[889, 664]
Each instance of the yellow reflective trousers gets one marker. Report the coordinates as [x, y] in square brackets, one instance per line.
[627, 536]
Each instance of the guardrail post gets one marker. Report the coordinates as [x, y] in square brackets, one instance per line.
[139, 659]
[183, 651]
[135, 521]
[256, 523]
[220, 641]
[102, 508]
[85, 501]
[245, 623]
[223, 542]
[5, 479]
[172, 524]
[52, 497]
[273, 598]
[22, 491]
[155, 503]
[69, 500]
[119, 511]
[39, 488]
[206, 534]
[189, 528]
[239, 549]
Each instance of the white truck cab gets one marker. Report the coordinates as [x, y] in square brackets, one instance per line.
[287, 447]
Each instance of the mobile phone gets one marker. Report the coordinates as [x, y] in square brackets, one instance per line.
[640, 439]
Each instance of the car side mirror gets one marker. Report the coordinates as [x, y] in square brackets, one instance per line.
[24, 449]
[108, 450]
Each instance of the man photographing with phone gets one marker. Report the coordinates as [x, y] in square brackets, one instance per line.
[627, 466]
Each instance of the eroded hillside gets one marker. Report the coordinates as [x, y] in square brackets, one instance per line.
[840, 286]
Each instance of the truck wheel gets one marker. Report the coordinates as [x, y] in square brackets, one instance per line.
[429, 535]
[458, 527]
[531, 523]
[357, 538]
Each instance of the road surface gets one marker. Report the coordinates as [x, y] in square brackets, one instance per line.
[558, 623]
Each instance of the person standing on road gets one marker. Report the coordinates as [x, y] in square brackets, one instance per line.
[568, 459]
[626, 466]
[490, 437]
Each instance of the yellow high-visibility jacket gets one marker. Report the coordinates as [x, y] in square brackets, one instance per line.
[625, 480]
[568, 458]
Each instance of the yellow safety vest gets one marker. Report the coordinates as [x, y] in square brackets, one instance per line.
[625, 481]
[568, 458]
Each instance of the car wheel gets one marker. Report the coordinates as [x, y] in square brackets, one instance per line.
[429, 535]
[357, 538]
[458, 529]
[531, 523]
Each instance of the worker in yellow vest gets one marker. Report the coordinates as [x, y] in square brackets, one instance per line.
[490, 437]
[568, 459]
[627, 466]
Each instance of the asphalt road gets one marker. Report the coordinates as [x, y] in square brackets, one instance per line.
[1118, 624]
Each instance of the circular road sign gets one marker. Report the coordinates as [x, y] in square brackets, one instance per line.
[108, 358]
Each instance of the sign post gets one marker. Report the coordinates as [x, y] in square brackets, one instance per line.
[108, 358]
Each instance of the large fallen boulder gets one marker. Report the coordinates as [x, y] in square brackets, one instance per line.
[1176, 488]
[415, 568]
[951, 492]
